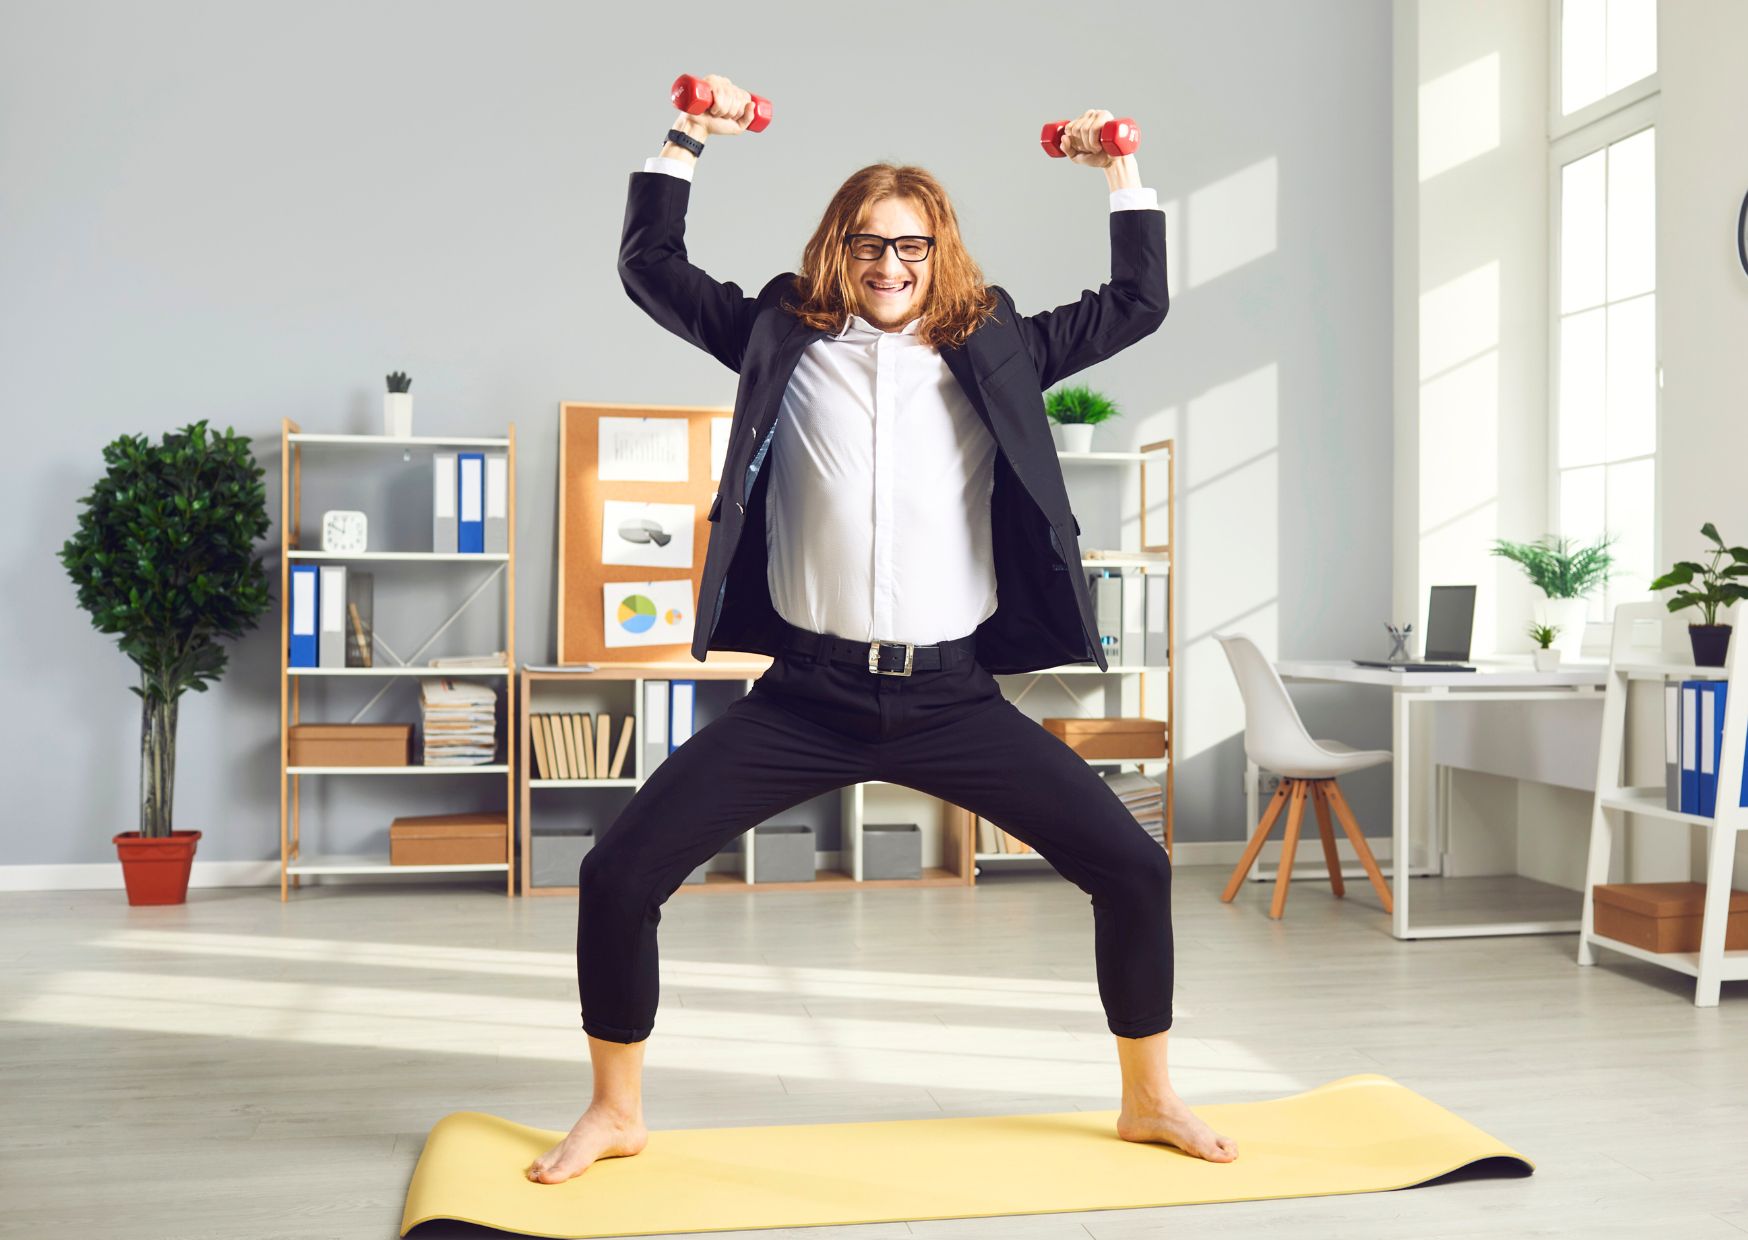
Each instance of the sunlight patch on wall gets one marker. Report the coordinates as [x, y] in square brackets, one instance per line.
[1219, 713]
[1459, 441]
[1459, 116]
[1459, 319]
[1233, 221]
[1232, 423]
[1233, 524]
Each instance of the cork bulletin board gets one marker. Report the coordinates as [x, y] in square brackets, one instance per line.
[590, 492]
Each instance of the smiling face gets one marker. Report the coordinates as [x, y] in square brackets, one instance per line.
[891, 291]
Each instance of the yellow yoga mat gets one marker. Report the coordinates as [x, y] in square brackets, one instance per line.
[1359, 1134]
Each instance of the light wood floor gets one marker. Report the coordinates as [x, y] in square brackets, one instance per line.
[237, 1068]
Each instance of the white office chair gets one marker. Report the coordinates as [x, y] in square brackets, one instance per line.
[1276, 740]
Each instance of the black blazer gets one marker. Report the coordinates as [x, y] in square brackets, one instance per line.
[1044, 613]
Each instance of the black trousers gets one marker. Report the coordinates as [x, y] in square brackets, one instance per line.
[809, 726]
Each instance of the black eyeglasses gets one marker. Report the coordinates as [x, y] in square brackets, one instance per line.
[871, 246]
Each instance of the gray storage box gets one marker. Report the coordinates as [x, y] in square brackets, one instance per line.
[783, 853]
[558, 854]
[892, 850]
[697, 875]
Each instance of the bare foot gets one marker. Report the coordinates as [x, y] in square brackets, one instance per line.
[600, 1133]
[1173, 1123]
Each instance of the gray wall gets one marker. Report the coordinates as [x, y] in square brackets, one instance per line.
[243, 212]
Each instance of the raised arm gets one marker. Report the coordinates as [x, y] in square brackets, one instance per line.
[1133, 303]
[715, 315]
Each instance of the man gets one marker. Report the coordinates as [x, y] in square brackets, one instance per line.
[910, 537]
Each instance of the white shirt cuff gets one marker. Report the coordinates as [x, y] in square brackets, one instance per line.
[1130, 198]
[673, 167]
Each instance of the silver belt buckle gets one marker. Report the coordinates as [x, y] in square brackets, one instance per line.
[874, 657]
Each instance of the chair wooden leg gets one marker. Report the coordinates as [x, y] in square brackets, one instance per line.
[1289, 843]
[1277, 803]
[1345, 814]
[1319, 801]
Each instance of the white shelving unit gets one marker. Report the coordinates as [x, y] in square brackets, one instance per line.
[1633, 657]
[293, 864]
[1162, 452]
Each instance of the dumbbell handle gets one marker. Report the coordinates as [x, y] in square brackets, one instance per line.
[693, 96]
[1118, 137]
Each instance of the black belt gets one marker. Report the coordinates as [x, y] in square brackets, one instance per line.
[882, 658]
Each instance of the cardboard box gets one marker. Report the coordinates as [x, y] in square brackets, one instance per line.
[1110, 737]
[351, 744]
[1664, 917]
[447, 839]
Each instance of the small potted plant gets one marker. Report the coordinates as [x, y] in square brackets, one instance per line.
[163, 558]
[397, 407]
[1567, 573]
[1716, 587]
[1547, 657]
[1073, 412]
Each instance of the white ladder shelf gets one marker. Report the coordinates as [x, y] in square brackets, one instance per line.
[1631, 658]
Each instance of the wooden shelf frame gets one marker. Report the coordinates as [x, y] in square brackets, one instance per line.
[956, 822]
[292, 864]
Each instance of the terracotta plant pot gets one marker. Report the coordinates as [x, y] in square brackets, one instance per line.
[156, 870]
[1710, 643]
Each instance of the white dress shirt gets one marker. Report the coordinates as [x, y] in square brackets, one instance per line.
[877, 518]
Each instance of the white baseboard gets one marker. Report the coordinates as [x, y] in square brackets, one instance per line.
[106, 875]
[1308, 857]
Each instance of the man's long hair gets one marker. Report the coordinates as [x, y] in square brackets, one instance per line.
[958, 300]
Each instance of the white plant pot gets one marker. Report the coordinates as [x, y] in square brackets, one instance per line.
[1072, 436]
[1547, 660]
[397, 414]
[1567, 615]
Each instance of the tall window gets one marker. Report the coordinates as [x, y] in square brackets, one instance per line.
[1603, 158]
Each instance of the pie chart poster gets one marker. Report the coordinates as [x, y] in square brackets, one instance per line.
[647, 613]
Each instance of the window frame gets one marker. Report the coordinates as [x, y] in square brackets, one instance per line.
[1630, 110]
[1561, 124]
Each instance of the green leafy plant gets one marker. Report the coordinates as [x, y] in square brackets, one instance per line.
[1077, 403]
[1558, 567]
[1717, 587]
[1544, 634]
[399, 382]
[163, 558]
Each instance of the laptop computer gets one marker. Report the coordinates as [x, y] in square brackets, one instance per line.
[1450, 626]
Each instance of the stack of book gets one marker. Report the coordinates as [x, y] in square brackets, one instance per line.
[1144, 797]
[459, 721]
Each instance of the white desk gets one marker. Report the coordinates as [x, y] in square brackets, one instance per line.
[1501, 679]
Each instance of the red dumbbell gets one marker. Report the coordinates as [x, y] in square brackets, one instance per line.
[693, 96]
[1119, 137]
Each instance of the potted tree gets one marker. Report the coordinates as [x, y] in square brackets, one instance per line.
[1567, 573]
[163, 558]
[1716, 588]
[1547, 658]
[1074, 411]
